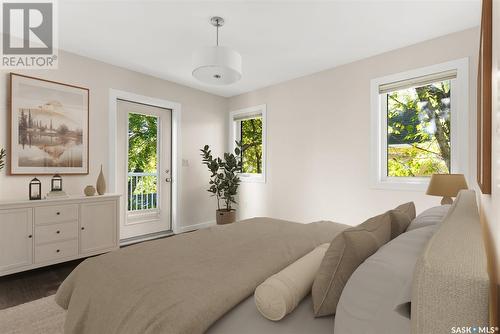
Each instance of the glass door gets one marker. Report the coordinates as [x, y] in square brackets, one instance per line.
[148, 182]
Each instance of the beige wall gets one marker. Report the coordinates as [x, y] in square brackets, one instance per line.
[319, 137]
[318, 134]
[491, 203]
[203, 117]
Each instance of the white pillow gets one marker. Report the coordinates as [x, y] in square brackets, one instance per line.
[281, 293]
[432, 216]
[367, 304]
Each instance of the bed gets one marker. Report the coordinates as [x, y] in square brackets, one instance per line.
[204, 281]
[185, 283]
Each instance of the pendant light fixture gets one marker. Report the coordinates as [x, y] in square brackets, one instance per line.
[217, 65]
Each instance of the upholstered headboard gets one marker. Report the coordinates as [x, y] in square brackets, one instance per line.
[451, 284]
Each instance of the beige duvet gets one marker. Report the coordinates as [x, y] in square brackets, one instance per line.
[185, 283]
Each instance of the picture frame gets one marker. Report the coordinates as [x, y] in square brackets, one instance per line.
[484, 99]
[49, 127]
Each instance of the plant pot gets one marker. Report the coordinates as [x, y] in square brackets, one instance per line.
[223, 217]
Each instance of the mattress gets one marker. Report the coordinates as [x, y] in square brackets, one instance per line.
[245, 319]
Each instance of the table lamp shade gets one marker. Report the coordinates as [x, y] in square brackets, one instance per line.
[446, 185]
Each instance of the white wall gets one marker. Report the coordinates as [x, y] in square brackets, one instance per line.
[319, 137]
[491, 203]
[203, 122]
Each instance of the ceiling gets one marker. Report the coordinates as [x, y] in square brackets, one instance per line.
[278, 40]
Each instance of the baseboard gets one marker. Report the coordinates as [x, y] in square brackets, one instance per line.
[183, 229]
[147, 237]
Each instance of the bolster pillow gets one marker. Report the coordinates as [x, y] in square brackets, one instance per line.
[281, 293]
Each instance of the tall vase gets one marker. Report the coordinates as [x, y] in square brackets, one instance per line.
[101, 183]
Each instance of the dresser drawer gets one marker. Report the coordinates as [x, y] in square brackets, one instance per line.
[55, 251]
[56, 232]
[56, 213]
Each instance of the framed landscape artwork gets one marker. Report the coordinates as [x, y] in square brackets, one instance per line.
[484, 95]
[49, 127]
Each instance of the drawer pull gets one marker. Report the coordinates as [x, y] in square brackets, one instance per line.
[58, 213]
[58, 232]
[83, 228]
[57, 251]
[30, 236]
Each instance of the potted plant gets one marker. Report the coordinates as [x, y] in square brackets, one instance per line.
[224, 181]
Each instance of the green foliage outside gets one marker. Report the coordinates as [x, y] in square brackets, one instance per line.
[419, 130]
[142, 140]
[142, 157]
[251, 140]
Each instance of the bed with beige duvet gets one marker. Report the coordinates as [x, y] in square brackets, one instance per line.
[205, 281]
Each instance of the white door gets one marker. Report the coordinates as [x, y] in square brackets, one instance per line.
[148, 164]
[16, 238]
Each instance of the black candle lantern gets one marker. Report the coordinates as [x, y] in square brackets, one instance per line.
[56, 183]
[35, 189]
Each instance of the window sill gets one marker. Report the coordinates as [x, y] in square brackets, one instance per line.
[402, 184]
[252, 178]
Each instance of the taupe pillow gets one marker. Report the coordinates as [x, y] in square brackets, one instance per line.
[399, 222]
[409, 209]
[346, 252]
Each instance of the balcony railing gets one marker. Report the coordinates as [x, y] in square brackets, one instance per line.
[142, 191]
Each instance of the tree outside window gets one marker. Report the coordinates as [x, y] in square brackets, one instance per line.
[251, 140]
[142, 161]
[418, 130]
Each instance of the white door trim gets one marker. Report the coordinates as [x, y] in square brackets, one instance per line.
[114, 95]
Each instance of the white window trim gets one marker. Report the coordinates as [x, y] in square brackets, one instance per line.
[245, 177]
[459, 126]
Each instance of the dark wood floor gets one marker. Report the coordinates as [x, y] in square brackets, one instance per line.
[34, 284]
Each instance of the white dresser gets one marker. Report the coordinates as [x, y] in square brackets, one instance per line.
[39, 233]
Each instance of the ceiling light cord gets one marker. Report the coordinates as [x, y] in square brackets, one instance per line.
[217, 22]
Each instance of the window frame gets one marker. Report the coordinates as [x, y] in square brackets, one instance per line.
[459, 125]
[234, 128]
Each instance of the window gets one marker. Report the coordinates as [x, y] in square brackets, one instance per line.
[249, 127]
[418, 129]
[419, 121]
[142, 162]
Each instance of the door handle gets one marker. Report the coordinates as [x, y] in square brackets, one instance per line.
[168, 179]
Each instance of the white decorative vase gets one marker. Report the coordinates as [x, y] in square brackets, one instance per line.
[101, 183]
